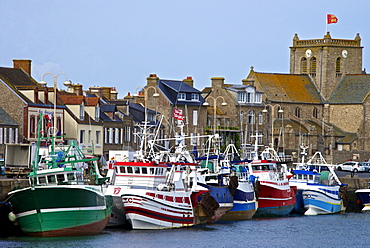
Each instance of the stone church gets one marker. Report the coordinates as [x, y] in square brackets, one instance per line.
[322, 103]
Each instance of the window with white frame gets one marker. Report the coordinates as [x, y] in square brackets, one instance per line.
[1, 136]
[116, 135]
[181, 96]
[260, 119]
[249, 97]
[5, 135]
[97, 113]
[250, 117]
[241, 96]
[258, 97]
[110, 141]
[194, 97]
[82, 111]
[11, 135]
[105, 135]
[195, 117]
[16, 135]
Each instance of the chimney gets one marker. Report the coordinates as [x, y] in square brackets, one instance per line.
[189, 81]
[152, 80]
[36, 95]
[46, 95]
[24, 64]
[218, 82]
[113, 93]
[78, 89]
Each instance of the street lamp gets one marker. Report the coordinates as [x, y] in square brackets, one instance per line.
[55, 78]
[214, 109]
[272, 119]
[43, 82]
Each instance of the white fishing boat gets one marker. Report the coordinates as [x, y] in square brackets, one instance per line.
[158, 193]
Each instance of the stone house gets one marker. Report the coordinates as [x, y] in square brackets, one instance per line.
[164, 97]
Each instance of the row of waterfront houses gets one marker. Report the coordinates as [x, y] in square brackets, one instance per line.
[322, 103]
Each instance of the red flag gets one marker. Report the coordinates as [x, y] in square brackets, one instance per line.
[331, 19]
[177, 114]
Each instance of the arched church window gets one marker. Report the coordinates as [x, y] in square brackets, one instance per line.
[303, 65]
[337, 65]
[313, 67]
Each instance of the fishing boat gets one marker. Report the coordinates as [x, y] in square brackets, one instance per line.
[66, 194]
[234, 174]
[275, 196]
[319, 190]
[364, 196]
[155, 196]
[159, 190]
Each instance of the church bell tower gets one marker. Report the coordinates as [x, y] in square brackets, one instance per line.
[326, 60]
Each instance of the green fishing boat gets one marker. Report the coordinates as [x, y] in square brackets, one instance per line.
[65, 197]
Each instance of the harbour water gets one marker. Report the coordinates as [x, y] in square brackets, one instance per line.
[338, 230]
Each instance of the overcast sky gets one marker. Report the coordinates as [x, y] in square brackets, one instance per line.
[120, 42]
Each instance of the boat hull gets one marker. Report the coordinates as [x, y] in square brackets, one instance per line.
[49, 211]
[222, 195]
[314, 199]
[275, 199]
[147, 209]
[245, 204]
[364, 196]
[319, 202]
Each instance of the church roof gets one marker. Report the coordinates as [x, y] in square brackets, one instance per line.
[353, 88]
[287, 87]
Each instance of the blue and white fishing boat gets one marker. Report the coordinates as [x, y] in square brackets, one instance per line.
[240, 183]
[319, 191]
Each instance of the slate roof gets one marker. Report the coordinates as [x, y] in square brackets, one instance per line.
[358, 85]
[6, 119]
[18, 78]
[288, 87]
[108, 107]
[137, 112]
[171, 88]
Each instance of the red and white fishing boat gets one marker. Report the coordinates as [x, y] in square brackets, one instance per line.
[275, 196]
[155, 196]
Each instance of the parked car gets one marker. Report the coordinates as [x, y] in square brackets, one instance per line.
[354, 166]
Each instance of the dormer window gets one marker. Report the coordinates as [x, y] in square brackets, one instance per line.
[241, 97]
[258, 98]
[194, 97]
[181, 96]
